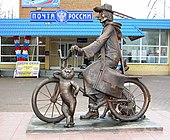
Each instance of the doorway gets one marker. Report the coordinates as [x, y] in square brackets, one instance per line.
[74, 59]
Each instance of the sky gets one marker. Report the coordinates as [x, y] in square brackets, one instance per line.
[139, 8]
[135, 8]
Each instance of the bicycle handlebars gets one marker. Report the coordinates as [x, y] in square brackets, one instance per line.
[62, 57]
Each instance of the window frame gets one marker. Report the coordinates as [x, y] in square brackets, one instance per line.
[37, 45]
[147, 57]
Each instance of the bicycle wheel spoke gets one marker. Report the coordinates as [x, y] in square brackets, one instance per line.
[121, 109]
[134, 90]
[48, 90]
[47, 109]
[138, 95]
[59, 98]
[133, 111]
[59, 103]
[52, 111]
[43, 106]
[139, 101]
[43, 100]
[138, 107]
[44, 94]
[57, 109]
[129, 86]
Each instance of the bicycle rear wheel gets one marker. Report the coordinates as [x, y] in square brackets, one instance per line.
[136, 101]
[46, 101]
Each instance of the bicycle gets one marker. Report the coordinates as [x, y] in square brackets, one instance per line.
[131, 106]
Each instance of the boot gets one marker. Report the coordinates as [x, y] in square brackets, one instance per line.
[91, 114]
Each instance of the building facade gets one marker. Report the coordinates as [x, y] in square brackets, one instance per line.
[147, 55]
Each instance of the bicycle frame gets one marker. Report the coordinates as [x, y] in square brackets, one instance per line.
[131, 105]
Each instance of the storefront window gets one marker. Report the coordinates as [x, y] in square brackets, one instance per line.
[7, 50]
[41, 40]
[151, 37]
[131, 53]
[127, 41]
[164, 38]
[152, 48]
[8, 59]
[7, 40]
[35, 49]
[164, 51]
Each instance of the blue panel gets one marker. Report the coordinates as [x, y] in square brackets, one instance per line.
[23, 27]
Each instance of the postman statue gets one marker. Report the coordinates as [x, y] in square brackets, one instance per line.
[107, 46]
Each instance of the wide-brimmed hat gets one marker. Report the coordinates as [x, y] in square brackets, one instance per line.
[105, 7]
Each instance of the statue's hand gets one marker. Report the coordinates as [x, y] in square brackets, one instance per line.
[74, 47]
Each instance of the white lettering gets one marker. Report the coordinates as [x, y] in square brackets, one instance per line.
[84, 16]
[48, 16]
[80, 16]
[33, 16]
[52, 16]
[89, 16]
[77, 16]
[38, 16]
[69, 16]
[43, 15]
[73, 16]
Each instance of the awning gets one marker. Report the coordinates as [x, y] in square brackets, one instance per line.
[23, 27]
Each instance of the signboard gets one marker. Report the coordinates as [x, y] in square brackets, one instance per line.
[40, 3]
[27, 69]
[81, 40]
[61, 16]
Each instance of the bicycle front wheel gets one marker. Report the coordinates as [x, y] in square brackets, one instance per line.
[136, 101]
[46, 101]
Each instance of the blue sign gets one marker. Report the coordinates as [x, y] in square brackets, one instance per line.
[40, 3]
[61, 16]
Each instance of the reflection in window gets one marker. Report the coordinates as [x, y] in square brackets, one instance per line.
[8, 49]
[150, 51]
[164, 51]
[147, 49]
[8, 59]
[41, 59]
[132, 59]
[151, 37]
[7, 40]
[164, 38]
[127, 41]
[163, 60]
[42, 40]
[131, 50]
[150, 59]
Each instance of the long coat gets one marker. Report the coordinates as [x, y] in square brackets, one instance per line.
[109, 40]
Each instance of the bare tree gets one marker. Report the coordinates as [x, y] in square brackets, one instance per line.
[1, 11]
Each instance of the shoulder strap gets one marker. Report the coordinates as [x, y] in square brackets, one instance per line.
[103, 55]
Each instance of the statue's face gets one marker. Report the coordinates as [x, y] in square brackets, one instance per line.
[67, 73]
[104, 16]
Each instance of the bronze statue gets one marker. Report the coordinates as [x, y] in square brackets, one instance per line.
[68, 92]
[102, 83]
[107, 42]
